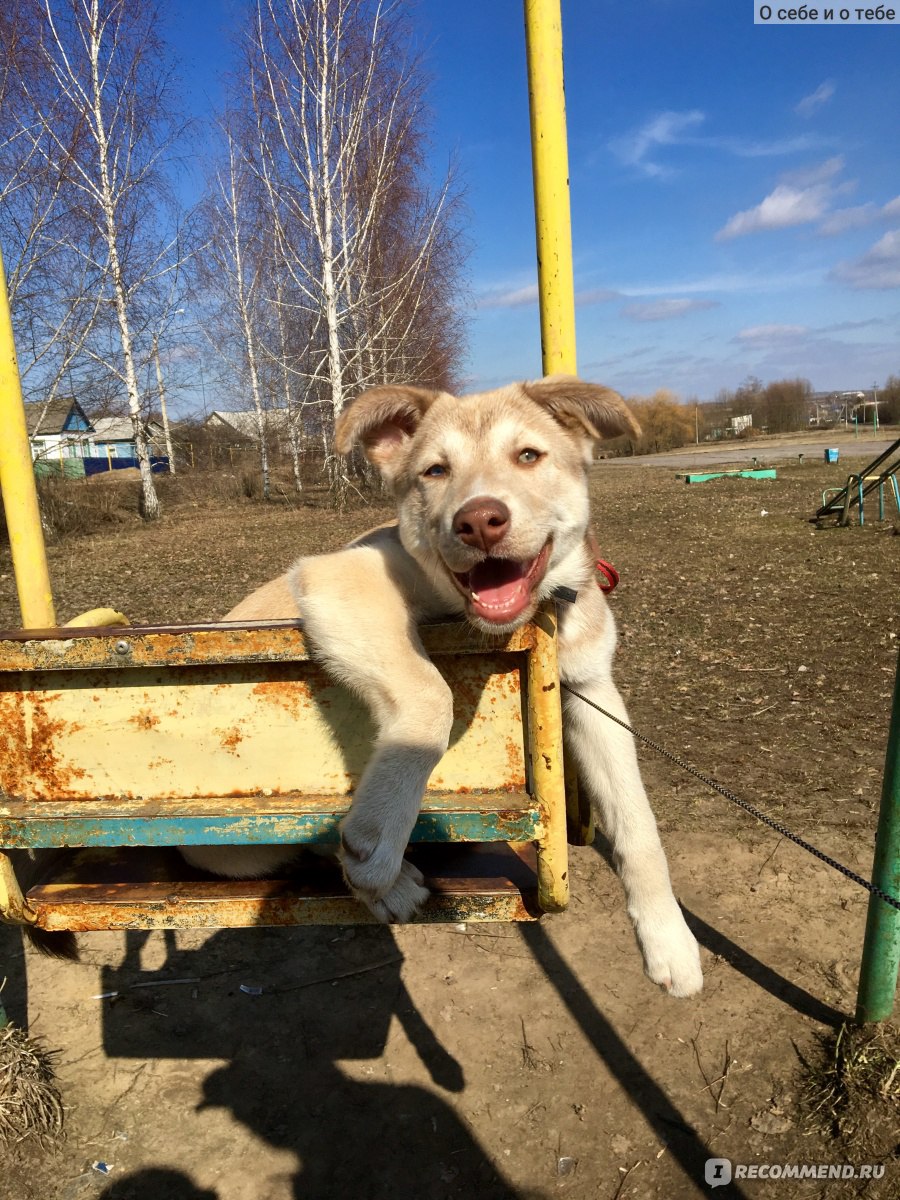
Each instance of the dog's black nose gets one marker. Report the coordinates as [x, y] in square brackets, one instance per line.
[482, 522]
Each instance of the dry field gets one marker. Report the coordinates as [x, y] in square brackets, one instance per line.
[497, 1061]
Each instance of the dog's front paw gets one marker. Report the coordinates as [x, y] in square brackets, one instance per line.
[391, 890]
[671, 954]
[401, 901]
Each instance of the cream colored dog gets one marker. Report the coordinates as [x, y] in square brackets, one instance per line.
[492, 501]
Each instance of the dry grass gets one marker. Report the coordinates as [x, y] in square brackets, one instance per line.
[30, 1103]
[852, 1092]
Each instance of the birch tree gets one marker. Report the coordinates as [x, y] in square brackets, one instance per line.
[337, 103]
[55, 294]
[108, 72]
[232, 262]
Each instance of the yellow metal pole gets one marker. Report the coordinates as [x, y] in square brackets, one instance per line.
[553, 229]
[20, 502]
[550, 167]
[545, 747]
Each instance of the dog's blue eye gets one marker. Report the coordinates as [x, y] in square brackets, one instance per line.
[435, 471]
[529, 456]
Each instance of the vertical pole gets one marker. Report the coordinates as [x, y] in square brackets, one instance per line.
[550, 167]
[545, 748]
[20, 501]
[556, 290]
[881, 949]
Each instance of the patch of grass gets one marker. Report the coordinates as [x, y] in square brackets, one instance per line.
[76, 506]
[852, 1090]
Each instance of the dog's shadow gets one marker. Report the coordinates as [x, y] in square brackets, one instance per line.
[332, 995]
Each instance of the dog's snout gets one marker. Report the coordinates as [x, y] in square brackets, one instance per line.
[482, 522]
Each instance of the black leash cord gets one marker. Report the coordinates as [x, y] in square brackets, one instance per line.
[754, 812]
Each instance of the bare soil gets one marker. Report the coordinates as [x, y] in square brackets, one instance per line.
[501, 1061]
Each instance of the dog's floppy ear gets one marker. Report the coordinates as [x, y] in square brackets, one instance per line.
[586, 408]
[382, 420]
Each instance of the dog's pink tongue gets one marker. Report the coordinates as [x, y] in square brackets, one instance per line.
[499, 588]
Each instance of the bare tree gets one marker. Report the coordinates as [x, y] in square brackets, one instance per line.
[232, 262]
[370, 257]
[107, 70]
[55, 293]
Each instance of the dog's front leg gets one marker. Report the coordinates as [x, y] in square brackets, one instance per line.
[608, 770]
[366, 637]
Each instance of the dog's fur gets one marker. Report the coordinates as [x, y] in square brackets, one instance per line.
[492, 505]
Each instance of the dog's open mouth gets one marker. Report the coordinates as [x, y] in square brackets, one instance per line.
[500, 589]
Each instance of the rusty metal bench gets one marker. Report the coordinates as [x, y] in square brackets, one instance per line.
[123, 742]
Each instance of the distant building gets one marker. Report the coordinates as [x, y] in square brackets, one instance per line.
[242, 426]
[61, 430]
[58, 429]
[114, 437]
[737, 425]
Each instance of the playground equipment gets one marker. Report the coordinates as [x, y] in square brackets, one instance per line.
[117, 738]
[123, 738]
[881, 472]
[750, 473]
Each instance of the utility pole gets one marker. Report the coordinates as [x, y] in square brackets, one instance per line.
[875, 398]
[162, 405]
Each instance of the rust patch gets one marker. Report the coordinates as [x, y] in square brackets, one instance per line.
[515, 763]
[29, 764]
[231, 739]
[145, 719]
[292, 695]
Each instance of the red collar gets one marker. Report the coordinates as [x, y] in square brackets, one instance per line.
[609, 573]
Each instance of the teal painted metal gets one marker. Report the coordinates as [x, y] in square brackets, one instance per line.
[881, 949]
[512, 818]
[706, 476]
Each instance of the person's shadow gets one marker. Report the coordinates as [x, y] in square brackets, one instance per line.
[365, 1139]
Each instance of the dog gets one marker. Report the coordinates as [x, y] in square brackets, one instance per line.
[492, 518]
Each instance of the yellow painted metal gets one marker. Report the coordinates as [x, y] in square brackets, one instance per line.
[236, 729]
[20, 502]
[240, 733]
[95, 618]
[543, 707]
[469, 883]
[550, 168]
[13, 907]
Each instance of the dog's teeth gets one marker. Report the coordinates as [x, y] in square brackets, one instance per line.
[475, 596]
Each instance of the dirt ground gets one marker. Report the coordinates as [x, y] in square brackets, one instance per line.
[501, 1061]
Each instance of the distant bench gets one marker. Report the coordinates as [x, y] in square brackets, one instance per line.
[705, 476]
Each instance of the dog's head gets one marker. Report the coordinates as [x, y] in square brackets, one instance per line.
[491, 488]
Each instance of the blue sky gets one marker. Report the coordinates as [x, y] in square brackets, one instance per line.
[735, 188]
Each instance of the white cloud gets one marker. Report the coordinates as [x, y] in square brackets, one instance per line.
[823, 172]
[596, 296]
[783, 207]
[814, 101]
[878, 268]
[665, 129]
[746, 282]
[666, 310]
[636, 149]
[528, 294]
[843, 219]
[518, 297]
[802, 197]
[761, 334]
[859, 216]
